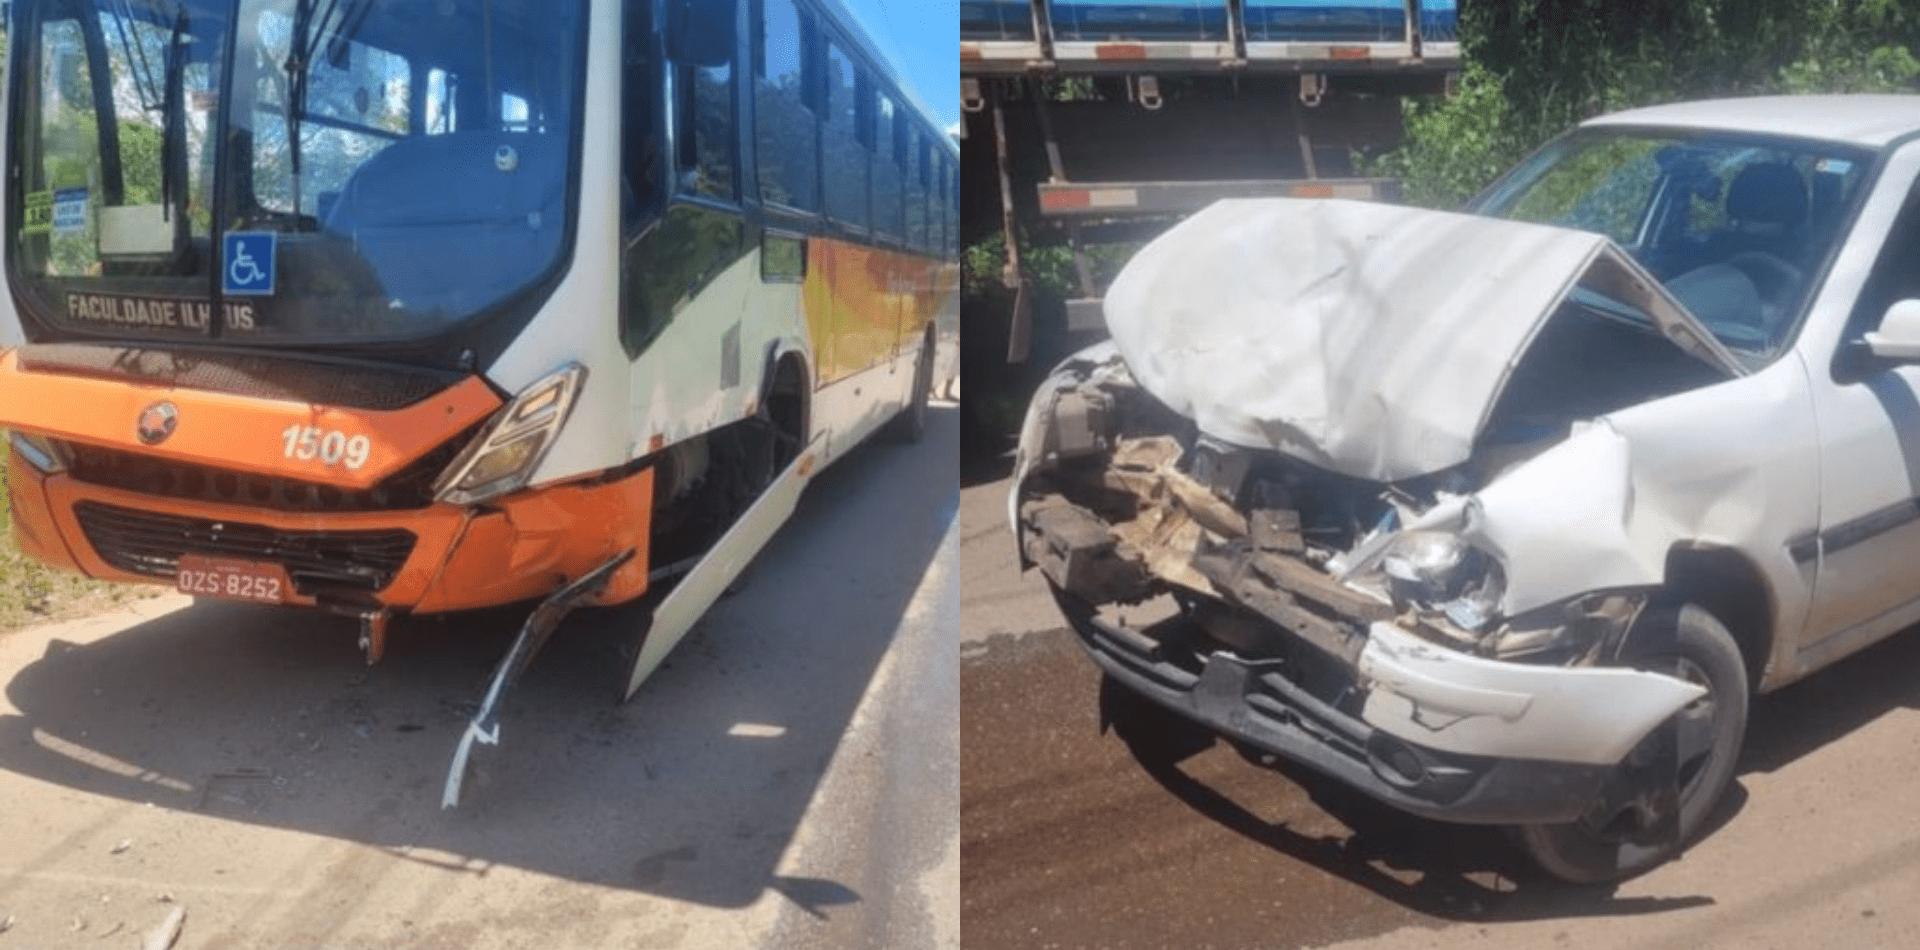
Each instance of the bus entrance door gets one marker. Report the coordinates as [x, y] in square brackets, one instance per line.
[721, 564]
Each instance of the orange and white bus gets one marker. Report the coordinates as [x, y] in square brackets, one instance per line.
[414, 306]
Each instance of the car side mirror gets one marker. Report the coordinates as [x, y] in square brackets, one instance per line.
[1898, 339]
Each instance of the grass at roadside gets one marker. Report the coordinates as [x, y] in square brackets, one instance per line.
[32, 593]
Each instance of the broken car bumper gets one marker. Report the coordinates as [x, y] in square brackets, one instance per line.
[1451, 701]
[1465, 770]
[1119, 502]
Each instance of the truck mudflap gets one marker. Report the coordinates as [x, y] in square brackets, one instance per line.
[697, 591]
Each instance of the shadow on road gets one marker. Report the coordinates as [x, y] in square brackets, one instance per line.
[692, 791]
[1830, 704]
[1452, 872]
[985, 456]
[1469, 873]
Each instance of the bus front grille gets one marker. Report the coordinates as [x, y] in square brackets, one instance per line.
[411, 488]
[144, 542]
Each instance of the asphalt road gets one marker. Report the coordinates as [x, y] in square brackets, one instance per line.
[789, 779]
[1070, 841]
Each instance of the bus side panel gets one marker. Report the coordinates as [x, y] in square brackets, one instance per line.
[856, 296]
[707, 368]
[579, 322]
[817, 298]
[868, 307]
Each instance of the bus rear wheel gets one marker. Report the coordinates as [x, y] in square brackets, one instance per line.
[911, 424]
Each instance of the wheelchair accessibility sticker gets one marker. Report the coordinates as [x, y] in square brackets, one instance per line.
[249, 262]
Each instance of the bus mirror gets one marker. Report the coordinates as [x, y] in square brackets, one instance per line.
[700, 32]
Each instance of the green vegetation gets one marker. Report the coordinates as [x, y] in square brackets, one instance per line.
[31, 592]
[1537, 67]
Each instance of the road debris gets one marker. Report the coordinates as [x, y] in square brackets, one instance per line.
[110, 931]
[163, 936]
[124, 844]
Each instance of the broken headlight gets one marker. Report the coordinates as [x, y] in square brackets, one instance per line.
[504, 455]
[1575, 631]
[1440, 572]
[44, 454]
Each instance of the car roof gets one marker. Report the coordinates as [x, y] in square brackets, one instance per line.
[1869, 120]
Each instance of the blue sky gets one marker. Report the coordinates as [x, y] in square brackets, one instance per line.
[922, 38]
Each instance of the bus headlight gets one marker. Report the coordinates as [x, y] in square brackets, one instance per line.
[44, 454]
[505, 453]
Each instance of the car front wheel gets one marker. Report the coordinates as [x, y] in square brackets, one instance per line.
[1611, 842]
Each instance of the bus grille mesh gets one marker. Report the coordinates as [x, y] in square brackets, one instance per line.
[144, 542]
[410, 488]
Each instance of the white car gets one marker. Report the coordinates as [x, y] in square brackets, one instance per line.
[1501, 517]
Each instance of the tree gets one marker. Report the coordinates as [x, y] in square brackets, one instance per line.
[1536, 67]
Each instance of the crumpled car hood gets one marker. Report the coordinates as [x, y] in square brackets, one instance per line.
[1371, 340]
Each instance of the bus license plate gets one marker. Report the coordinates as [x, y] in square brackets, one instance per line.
[231, 579]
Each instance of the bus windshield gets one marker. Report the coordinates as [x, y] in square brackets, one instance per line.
[324, 172]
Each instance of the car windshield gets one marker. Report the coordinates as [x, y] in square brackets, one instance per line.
[321, 171]
[1734, 226]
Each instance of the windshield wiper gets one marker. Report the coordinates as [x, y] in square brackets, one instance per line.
[310, 33]
[298, 58]
[173, 131]
[152, 96]
[1603, 305]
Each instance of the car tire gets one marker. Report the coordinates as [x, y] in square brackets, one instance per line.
[1690, 642]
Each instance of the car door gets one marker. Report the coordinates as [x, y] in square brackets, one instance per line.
[1868, 548]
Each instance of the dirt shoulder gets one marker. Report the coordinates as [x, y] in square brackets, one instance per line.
[32, 593]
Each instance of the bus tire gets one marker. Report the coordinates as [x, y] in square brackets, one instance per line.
[910, 425]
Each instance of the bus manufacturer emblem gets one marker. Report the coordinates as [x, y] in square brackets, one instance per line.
[157, 422]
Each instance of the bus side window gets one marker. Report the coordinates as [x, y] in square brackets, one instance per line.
[951, 199]
[639, 138]
[842, 146]
[703, 106]
[886, 171]
[917, 155]
[665, 271]
[944, 203]
[673, 256]
[783, 118]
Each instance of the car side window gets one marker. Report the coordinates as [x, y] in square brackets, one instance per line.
[1895, 275]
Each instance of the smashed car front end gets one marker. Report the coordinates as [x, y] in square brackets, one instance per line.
[1345, 487]
[1291, 610]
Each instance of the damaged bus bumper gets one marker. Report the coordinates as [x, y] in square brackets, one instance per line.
[92, 494]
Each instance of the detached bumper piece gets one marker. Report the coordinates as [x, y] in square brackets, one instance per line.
[485, 727]
[1257, 705]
